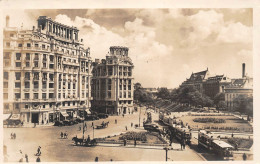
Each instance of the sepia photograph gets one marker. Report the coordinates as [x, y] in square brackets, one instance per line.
[127, 84]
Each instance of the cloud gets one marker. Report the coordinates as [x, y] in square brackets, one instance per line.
[235, 32]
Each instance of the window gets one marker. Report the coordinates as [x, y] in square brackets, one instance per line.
[51, 58]
[51, 77]
[36, 56]
[124, 94]
[68, 85]
[64, 95]
[6, 63]
[27, 56]
[43, 106]
[36, 76]
[43, 46]
[68, 103]
[59, 95]
[74, 86]
[63, 104]
[51, 95]
[17, 85]
[27, 84]
[17, 64]
[27, 95]
[36, 84]
[5, 96]
[11, 35]
[17, 95]
[28, 44]
[36, 64]
[43, 95]
[36, 45]
[26, 106]
[6, 106]
[44, 85]
[7, 55]
[5, 84]
[51, 66]
[20, 45]
[18, 56]
[124, 87]
[27, 64]
[129, 94]
[5, 75]
[129, 87]
[51, 85]
[83, 94]
[59, 85]
[8, 44]
[27, 75]
[109, 94]
[17, 106]
[36, 96]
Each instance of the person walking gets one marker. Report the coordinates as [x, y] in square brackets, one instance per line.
[12, 136]
[181, 144]
[124, 142]
[79, 128]
[21, 159]
[96, 159]
[92, 125]
[26, 158]
[184, 143]
[115, 121]
[39, 151]
[38, 159]
[126, 128]
[61, 134]
[244, 156]
[135, 142]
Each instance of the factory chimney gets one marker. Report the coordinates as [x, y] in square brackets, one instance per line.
[243, 70]
[7, 21]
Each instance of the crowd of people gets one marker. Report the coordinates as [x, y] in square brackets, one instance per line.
[64, 135]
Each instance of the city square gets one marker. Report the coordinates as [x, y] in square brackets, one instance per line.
[79, 87]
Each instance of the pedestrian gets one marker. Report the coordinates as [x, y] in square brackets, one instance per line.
[21, 159]
[184, 143]
[79, 128]
[14, 136]
[124, 142]
[123, 115]
[39, 151]
[232, 135]
[244, 156]
[96, 159]
[26, 158]
[126, 128]
[38, 159]
[135, 142]
[111, 160]
[92, 124]
[181, 144]
[115, 121]
[61, 135]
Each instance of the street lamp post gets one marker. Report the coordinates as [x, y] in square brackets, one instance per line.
[84, 108]
[139, 114]
[166, 151]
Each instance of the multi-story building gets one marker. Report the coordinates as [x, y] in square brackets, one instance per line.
[206, 83]
[112, 84]
[47, 72]
[240, 86]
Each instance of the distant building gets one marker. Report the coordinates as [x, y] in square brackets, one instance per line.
[46, 72]
[112, 84]
[240, 86]
[206, 83]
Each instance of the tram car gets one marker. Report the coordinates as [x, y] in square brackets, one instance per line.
[217, 146]
[182, 133]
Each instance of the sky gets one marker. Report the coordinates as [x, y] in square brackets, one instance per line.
[165, 45]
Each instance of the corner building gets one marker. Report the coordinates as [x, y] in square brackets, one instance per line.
[112, 84]
[47, 72]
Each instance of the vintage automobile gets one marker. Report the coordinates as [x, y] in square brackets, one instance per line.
[102, 115]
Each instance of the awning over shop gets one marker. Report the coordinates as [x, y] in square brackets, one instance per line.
[6, 116]
[15, 117]
[64, 113]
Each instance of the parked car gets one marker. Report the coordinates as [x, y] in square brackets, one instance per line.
[58, 123]
[102, 115]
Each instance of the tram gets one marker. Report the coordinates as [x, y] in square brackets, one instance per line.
[217, 146]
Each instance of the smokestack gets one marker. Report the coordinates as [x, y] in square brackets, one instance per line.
[7, 21]
[243, 70]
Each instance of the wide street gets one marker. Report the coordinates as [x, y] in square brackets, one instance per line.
[55, 149]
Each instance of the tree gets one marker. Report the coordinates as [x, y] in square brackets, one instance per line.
[163, 93]
[244, 104]
[141, 95]
[219, 97]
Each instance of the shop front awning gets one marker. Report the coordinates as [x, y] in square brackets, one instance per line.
[64, 113]
[15, 117]
[6, 116]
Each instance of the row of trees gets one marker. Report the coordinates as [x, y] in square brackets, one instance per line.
[191, 96]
